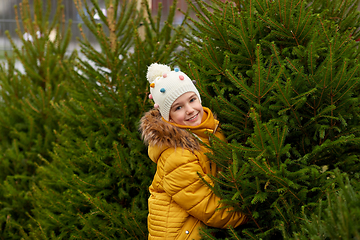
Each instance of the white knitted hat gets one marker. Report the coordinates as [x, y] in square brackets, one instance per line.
[166, 86]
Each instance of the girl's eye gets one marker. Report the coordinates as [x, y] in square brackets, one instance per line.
[193, 99]
[177, 108]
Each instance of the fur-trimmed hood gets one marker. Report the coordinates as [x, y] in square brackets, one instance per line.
[157, 132]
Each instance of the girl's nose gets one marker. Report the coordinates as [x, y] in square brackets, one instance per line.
[189, 110]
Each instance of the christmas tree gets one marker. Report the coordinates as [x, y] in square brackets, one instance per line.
[27, 117]
[96, 185]
[336, 218]
[282, 76]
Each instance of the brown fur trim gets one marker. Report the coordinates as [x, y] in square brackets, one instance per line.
[157, 132]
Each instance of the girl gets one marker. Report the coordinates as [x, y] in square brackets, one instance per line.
[180, 202]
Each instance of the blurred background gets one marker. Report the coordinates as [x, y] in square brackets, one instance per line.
[8, 22]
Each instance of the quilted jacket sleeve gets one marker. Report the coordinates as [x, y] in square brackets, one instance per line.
[183, 184]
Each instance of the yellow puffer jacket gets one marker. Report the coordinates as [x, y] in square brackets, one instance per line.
[180, 202]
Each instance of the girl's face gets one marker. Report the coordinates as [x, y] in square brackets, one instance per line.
[187, 110]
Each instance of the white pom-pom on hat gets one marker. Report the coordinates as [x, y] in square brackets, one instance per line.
[156, 70]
